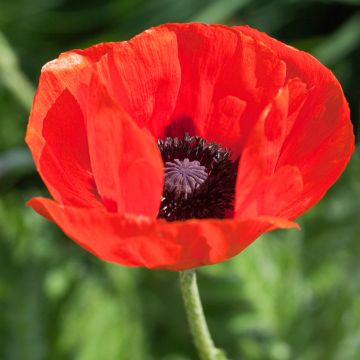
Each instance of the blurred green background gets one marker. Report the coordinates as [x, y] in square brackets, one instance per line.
[291, 295]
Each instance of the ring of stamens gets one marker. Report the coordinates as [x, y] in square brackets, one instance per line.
[199, 179]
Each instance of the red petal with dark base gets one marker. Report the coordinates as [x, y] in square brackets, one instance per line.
[224, 93]
[144, 75]
[127, 165]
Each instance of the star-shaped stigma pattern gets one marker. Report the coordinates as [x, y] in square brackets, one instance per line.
[184, 176]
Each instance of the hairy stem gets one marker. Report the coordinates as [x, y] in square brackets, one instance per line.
[196, 318]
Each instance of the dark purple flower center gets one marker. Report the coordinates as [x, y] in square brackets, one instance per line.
[200, 179]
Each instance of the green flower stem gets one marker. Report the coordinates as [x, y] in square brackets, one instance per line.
[195, 314]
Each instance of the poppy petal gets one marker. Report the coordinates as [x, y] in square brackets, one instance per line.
[72, 70]
[138, 242]
[211, 85]
[126, 162]
[259, 178]
[143, 75]
[320, 143]
[320, 140]
[110, 236]
[299, 63]
[211, 241]
[56, 76]
[64, 163]
[322, 169]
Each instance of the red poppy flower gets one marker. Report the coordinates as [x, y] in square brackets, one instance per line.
[180, 147]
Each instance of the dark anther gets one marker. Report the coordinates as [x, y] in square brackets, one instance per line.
[200, 179]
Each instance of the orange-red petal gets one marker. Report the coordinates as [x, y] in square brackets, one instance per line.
[223, 93]
[64, 162]
[319, 136]
[56, 76]
[137, 241]
[262, 187]
[126, 162]
[144, 77]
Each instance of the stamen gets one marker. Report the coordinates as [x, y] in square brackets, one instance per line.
[184, 176]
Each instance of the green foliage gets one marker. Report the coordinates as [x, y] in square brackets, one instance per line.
[291, 295]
